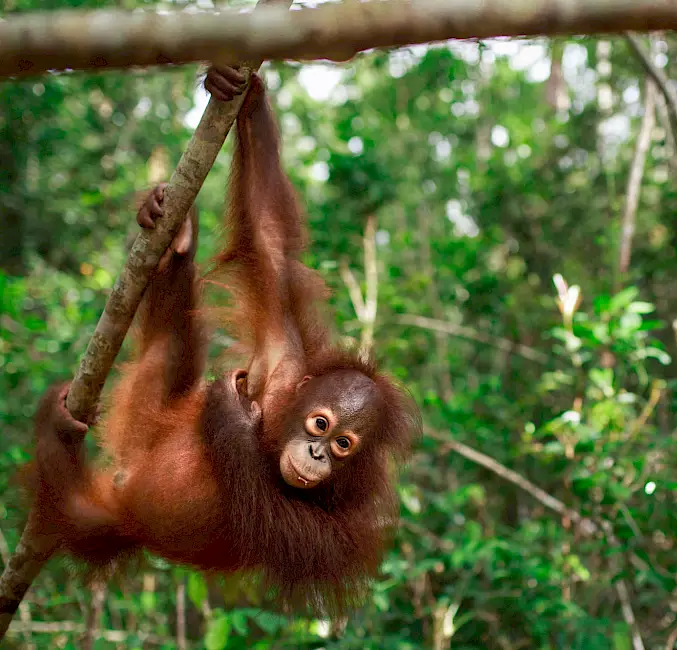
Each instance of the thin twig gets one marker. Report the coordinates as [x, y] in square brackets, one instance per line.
[71, 627]
[649, 407]
[474, 335]
[629, 614]
[672, 639]
[421, 531]
[657, 75]
[353, 287]
[371, 285]
[670, 143]
[365, 306]
[98, 592]
[5, 553]
[181, 643]
[635, 177]
[586, 525]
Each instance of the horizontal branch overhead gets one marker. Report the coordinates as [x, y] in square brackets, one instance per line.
[37, 42]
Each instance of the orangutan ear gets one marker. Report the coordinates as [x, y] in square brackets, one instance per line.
[305, 380]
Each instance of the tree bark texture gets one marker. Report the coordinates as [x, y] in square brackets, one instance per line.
[37, 42]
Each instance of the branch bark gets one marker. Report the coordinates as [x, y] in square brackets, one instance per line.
[471, 334]
[658, 76]
[34, 550]
[365, 306]
[98, 595]
[35, 43]
[635, 177]
[371, 286]
[181, 642]
[184, 185]
[24, 607]
[77, 629]
[586, 525]
[544, 498]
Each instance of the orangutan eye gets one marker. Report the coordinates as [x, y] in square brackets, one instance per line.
[344, 443]
[319, 423]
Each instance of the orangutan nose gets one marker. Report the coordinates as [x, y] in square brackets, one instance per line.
[316, 455]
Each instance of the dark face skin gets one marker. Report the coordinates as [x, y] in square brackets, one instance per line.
[331, 420]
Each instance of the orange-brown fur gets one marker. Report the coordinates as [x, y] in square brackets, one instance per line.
[193, 479]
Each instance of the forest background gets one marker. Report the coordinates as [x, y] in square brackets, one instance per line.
[512, 199]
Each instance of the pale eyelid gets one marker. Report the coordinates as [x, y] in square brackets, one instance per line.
[354, 444]
[327, 415]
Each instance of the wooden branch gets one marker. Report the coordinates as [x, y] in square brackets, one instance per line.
[635, 177]
[628, 614]
[117, 317]
[461, 331]
[37, 42]
[658, 76]
[365, 306]
[586, 525]
[550, 502]
[71, 627]
[148, 247]
[371, 286]
[353, 287]
[181, 642]
[663, 114]
[91, 633]
[30, 555]
[34, 550]
[24, 607]
[672, 639]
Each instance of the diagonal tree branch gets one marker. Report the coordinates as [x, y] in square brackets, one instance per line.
[353, 287]
[544, 498]
[365, 306]
[451, 329]
[657, 75]
[586, 525]
[635, 177]
[76, 40]
[34, 550]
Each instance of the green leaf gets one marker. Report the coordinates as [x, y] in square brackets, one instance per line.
[270, 622]
[622, 299]
[621, 637]
[148, 601]
[218, 631]
[655, 353]
[630, 322]
[639, 307]
[197, 589]
[648, 325]
[238, 618]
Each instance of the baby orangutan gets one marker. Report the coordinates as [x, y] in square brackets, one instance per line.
[283, 468]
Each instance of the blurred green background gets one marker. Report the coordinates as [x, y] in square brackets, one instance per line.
[490, 169]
